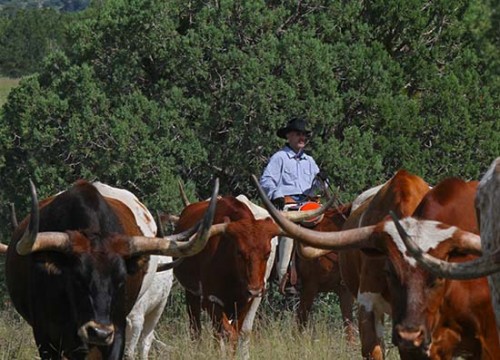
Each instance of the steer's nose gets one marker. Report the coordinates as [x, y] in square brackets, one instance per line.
[97, 334]
[410, 337]
[255, 291]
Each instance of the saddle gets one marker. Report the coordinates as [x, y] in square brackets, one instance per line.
[305, 206]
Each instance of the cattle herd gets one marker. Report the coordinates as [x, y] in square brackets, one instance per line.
[90, 272]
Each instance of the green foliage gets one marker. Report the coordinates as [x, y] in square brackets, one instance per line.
[379, 82]
[62, 5]
[26, 37]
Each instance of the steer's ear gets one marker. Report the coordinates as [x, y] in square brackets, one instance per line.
[136, 263]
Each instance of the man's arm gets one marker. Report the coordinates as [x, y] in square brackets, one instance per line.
[320, 180]
[271, 177]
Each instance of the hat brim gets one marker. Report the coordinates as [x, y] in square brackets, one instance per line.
[283, 131]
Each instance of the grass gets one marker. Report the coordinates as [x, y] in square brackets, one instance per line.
[275, 336]
[6, 84]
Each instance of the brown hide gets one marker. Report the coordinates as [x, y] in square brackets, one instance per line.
[322, 275]
[455, 315]
[224, 278]
[364, 273]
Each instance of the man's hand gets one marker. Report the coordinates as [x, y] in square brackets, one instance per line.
[279, 203]
[322, 175]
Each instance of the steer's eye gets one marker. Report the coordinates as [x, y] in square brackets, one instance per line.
[433, 281]
[121, 284]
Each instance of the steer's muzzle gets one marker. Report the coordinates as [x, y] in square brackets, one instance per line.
[410, 338]
[97, 334]
[255, 291]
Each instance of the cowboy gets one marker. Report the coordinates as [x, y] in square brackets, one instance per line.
[289, 179]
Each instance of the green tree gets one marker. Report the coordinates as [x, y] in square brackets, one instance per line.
[26, 37]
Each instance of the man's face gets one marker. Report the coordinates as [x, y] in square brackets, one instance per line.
[297, 140]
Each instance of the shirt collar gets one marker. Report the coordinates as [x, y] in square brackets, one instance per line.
[293, 155]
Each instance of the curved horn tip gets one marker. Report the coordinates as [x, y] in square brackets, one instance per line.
[35, 212]
[215, 192]
[160, 224]
[393, 216]
[207, 222]
[33, 189]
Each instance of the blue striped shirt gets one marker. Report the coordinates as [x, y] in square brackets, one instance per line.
[289, 173]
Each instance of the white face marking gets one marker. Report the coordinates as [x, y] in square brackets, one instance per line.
[424, 232]
[141, 213]
[260, 213]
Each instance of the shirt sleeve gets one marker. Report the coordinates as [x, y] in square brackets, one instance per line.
[316, 184]
[271, 177]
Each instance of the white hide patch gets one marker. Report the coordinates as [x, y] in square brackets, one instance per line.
[143, 217]
[375, 303]
[365, 195]
[425, 233]
[258, 212]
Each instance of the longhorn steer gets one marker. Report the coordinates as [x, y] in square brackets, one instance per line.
[487, 200]
[227, 278]
[362, 272]
[74, 269]
[229, 274]
[322, 274]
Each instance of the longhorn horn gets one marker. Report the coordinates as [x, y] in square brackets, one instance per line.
[160, 224]
[340, 240]
[184, 197]
[309, 252]
[13, 216]
[483, 266]
[172, 246]
[32, 240]
[172, 219]
[169, 265]
[297, 216]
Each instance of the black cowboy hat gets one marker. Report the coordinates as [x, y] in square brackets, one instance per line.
[294, 124]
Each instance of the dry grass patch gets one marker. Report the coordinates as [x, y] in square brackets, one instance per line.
[6, 84]
[275, 336]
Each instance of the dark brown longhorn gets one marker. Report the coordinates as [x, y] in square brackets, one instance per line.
[13, 216]
[89, 252]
